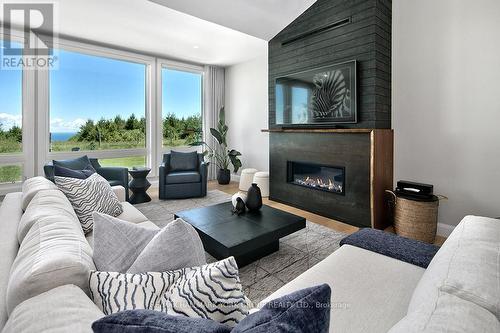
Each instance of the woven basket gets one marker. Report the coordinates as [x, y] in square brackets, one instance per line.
[415, 219]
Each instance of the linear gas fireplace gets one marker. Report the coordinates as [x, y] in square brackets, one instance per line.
[317, 176]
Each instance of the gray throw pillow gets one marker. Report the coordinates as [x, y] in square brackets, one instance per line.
[90, 195]
[176, 246]
[121, 246]
[118, 243]
[183, 161]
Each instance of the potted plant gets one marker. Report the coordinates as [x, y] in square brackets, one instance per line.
[220, 154]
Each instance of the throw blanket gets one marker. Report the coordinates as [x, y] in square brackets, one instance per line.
[408, 250]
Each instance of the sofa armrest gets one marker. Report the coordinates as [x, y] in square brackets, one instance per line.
[114, 173]
[10, 215]
[120, 192]
[162, 173]
[408, 250]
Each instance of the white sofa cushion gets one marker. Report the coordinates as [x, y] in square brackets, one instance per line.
[60, 310]
[45, 203]
[450, 314]
[131, 214]
[120, 192]
[10, 214]
[467, 265]
[370, 292]
[53, 253]
[31, 187]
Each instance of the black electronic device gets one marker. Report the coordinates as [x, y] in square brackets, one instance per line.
[415, 190]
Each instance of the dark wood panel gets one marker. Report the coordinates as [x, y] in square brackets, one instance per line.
[367, 39]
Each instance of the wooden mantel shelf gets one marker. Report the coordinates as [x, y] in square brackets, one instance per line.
[319, 130]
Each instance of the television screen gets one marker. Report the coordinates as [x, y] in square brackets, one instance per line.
[322, 96]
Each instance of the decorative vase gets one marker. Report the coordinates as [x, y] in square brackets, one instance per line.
[254, 198]
[224, 176]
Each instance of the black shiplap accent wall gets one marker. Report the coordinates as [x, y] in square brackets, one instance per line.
[367, 39]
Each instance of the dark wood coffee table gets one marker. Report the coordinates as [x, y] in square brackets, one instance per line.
[247, 237]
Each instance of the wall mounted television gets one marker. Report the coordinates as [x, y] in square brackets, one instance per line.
[324, 96]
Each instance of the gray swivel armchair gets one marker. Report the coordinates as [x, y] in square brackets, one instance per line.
[114, 175]
[183, 175]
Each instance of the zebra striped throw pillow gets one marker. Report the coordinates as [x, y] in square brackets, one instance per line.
[212, 291]
[90, 195]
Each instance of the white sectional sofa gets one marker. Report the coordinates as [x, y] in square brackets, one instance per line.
[43, 282]
[45, 263]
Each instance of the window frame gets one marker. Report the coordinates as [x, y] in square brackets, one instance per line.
[43, 86]
[36, 111]
[25, 157]
[178, 66]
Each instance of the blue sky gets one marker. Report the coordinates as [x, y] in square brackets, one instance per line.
[10, 97]
[88, 87]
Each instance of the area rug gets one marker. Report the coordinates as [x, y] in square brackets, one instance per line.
[298, 252]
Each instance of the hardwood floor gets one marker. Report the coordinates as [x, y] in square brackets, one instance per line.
[330, 223]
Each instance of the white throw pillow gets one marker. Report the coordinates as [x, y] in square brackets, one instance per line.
[212, 291]
[32, 186]
[90, 195]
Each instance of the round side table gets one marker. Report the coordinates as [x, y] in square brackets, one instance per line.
[139, 185]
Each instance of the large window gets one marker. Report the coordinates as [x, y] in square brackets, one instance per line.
[181, 107]
[124, 108]
[11, 110]
[97, 103]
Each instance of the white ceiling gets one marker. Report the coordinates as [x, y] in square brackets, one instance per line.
[259, 18]
[240, 31]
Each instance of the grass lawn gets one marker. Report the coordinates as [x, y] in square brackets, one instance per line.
[10, 173]
[129, 162]
[13, 173]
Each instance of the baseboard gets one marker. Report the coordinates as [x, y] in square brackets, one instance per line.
[444, 230]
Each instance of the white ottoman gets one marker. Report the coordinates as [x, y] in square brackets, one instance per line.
[246, 179]
[262, 180]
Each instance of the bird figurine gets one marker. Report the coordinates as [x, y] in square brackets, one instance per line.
[239, 208]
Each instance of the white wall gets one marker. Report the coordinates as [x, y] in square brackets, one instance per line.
[246, 111]
[446, 101]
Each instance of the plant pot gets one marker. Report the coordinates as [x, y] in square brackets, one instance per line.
[224, 176]
[254, 198]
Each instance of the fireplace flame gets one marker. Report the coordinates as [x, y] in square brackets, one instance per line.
[318, 183]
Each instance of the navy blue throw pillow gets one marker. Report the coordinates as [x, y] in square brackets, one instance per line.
[70, 173]
[183, 161]
[304, 311]
[148, 321]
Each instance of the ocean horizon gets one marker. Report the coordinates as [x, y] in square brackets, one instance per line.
[61, 136]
